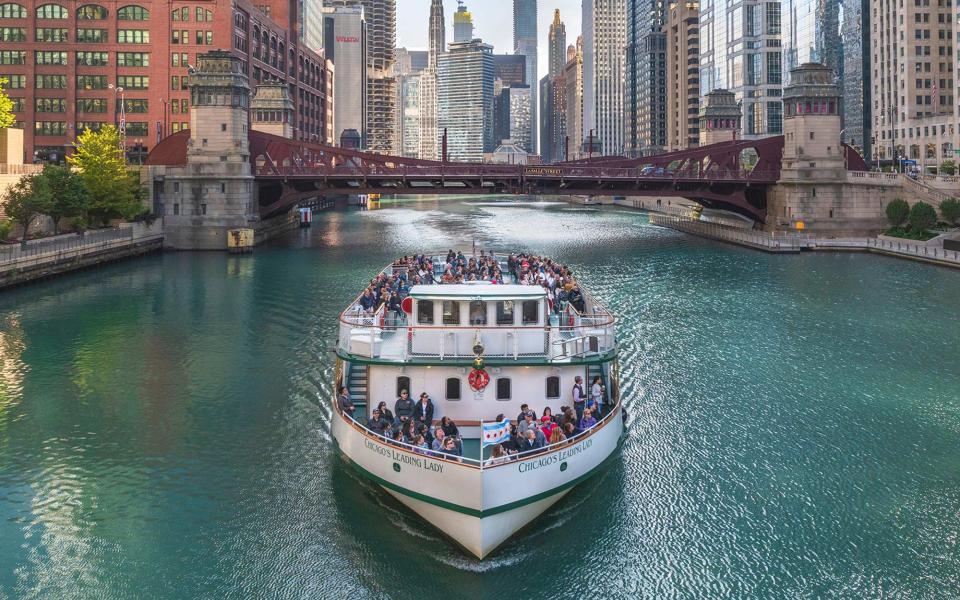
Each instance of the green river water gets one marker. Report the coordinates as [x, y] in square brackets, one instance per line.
[794, 424]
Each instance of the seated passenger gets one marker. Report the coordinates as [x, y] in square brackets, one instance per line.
[529, 441]
[498, 456]
[368, 301]
[376, 423]
[556, 436]
[410, 432]
[450, 447]
[438, 440]
[548, 412]
[527, 424]
[421, 443]
[524, 409]
[547, 426]
[450, 428]
[403, 409]
[587, 421]
[385, 412]
[571, 430]
[512, 445]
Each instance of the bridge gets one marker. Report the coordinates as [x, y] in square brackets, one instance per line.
[732, 175]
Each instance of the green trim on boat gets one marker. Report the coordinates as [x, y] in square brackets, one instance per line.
[467, 362]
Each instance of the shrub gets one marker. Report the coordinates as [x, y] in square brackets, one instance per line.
[6, 226]
[950, 209]
[948, 167]
[922, 217]
[897, 212]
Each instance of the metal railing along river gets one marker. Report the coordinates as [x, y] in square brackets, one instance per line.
[63, 243]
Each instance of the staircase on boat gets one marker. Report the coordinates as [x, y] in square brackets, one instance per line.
[357, 385]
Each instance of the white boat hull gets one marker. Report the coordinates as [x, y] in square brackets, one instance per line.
[478, 508]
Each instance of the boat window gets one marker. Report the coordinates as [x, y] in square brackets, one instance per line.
[553, 387]
[403, 383]
[505, 312]
[425, 312]
[453, 388]
[530, 312]
[451, 312]
[503, 388]
[478, 312]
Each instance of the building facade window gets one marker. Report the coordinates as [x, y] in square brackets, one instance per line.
[91, 82]
[15, 82]
[12, 11]
[134, 106]
[133, 82]
[93, 59]
[13, 34]
[133, 59]
[133, 36]
[133, 13]
[136, 128]
[50, 105]
[91, 105]
[180, 14]
[92, 36]
[50, 34]
[50, 128]
[52, 11]
[13, 57]
[91, 12]
[46, 57]
[92, 125]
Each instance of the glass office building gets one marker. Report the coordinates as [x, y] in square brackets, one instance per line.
[465, 100]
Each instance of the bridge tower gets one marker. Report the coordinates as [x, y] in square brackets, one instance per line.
[214, 192]
[272, 110]
[719, 118]
[813, 193]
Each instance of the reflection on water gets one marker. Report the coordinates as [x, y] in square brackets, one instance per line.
[795, 424]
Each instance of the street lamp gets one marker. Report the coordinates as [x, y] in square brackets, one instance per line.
[118, 91]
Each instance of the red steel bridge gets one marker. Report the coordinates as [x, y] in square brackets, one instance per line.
[733, 175]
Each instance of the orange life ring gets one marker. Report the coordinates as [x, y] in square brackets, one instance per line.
[478, 379]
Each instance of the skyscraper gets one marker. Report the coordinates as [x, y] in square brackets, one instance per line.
[310, 25]
[557, 44]
[683, 75]
[811, 33]
[465, 100]
[740, 52]
[856, 86]
[346, 44]
[437, 43]
[525, 43]
[573, 101]
[604, 38]
[462, 24]
[645, 95]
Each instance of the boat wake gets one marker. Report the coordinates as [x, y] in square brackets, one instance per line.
[476, 566]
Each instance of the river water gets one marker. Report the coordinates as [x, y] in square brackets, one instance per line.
[795, 424]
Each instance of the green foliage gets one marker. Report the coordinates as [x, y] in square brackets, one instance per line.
[68, 194]
[27, 200]
[113, 191]
[6, 226]
[950, 209]
[7, 119]
[922, 217]
[948, 167]
[897, 212]
[908, 234]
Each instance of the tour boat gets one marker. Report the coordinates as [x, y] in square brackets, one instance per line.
[478, 350]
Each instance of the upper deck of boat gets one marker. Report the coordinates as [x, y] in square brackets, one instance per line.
[514, 323]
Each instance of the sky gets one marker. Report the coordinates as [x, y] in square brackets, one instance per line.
[492, 21]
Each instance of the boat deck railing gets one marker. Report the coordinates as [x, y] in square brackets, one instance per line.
[386, 335]
[488, 463]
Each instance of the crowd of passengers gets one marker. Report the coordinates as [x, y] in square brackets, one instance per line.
[411, 423]
[389, 290]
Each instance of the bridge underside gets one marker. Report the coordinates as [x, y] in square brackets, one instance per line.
[278, 195]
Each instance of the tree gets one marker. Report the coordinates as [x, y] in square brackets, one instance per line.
[950, 209]
[68, 194]
[27, 200]
[897, 212]
[948, 167]
[6, 106]
[101, 164]
[922, 217]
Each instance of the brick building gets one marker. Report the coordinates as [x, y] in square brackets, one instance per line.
[65, 62]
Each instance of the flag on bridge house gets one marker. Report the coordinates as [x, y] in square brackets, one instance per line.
[494, 433]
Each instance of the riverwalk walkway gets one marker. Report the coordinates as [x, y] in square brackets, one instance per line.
[52, 256]
[798, 242]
